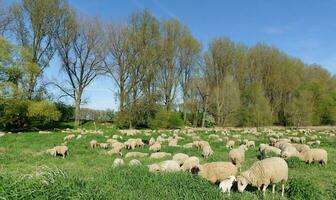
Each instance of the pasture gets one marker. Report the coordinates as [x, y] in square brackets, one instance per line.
[27, 172]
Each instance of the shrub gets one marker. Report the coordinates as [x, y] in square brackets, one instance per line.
[302, 189]
[166, 119]
[43, 111]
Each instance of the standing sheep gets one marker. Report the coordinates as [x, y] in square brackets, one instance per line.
[180, 158]
[237, 156]
[268, 171]
[190, 163]
[207, 151]
[312, 155]
[155, 147]
[61, 150]
[93, 144]
[215, 171]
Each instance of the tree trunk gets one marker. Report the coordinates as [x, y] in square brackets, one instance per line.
[204, 112]
[184, 111]
[77, 112]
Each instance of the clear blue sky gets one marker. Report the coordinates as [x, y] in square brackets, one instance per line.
[302, 28]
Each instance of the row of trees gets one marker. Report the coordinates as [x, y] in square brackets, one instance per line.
[159, 67]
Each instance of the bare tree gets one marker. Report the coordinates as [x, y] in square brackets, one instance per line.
[79, 44]
[5, 18]
[116, 63]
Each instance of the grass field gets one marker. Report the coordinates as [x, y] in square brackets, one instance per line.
[28, 173]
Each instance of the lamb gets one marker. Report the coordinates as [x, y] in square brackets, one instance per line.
[230, 144]
[118, 162]
[190, 163]
[312, 155]
[165, 166]
[134, 162]
[61, 150]
[180, 158]
[226, 184]
[215, 171]
[207, 151]
[93, 144]
[268, 171]
[237, 156]
[155, 147]
[135, 155]
[69, 137]
[159, 155]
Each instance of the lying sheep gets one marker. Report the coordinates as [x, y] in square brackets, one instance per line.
[155, 147]
[262, 173]
[134, 162]
[237, 156]
[159, 155]
[93, 144]
[207, 151]
[188, 145]
[118, 162]
[312, 155]
[165, 166]
[61, 150]
[69, 137]
[190, 163]
[215, 171]
[230, 144]
[180, 158]
[226, 184]
[135, 155]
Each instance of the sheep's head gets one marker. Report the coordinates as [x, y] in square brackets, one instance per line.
[154, 168]
[195, 170]
[284, 154]
[232, 178]
[242, 183]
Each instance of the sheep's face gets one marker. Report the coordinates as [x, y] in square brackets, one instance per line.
[285, 155]
[242, 183]
[232, 179]
[154, 168]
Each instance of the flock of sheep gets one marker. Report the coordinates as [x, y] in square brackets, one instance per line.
[271, 170]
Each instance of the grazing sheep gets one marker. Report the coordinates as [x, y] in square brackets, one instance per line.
[165, 166]
[111, 141]
[190, 163]
[312, 155]
[61, 150]
[207, 151]
[226, 184]
[159, 155]
[155, 147]
[267, 150]
[93, 144]
[118, 162]
[290, 151]
[250, 144]
[180, 158]
[104, 145]
[130, 144]
[215, 171]
[51, 151]
[230, 144]
[188, 145]
[301, 147]
[172, 143]
[282, 145]
[78, 137]
[237, 156]
[268, 171]
[151, 141]
[135, 155]
[69, 137]
[115, 151]
[134, 162]
[273, 141]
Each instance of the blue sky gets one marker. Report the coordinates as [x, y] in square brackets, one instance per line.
[302, 28]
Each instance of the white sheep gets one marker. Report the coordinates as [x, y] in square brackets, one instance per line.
[312, 155]
[159, 155]
[190, 163]
[207, 151]
[263, 173]
[93, 144]
[226, 184]
[118, 162]
[135, 155]
[237, 156]
[61, 150]
[134, 162]
[155, 147]
[180, 158]
[215, 171]
[230, 144]
[165, 166]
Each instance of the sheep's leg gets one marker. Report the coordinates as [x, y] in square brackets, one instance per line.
[283, 190]
[273, 188]
[264, 189]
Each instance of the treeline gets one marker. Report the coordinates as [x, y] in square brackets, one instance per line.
[164, 77]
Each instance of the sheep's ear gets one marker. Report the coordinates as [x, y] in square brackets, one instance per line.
[195, 170]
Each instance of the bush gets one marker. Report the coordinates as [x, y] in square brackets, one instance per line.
[303, 189]
[166, 119]
[43, 111]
